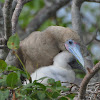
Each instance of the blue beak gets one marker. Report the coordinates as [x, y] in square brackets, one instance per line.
[75, 50]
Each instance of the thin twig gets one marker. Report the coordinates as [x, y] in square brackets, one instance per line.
[86, 80]
[7, 10]
[1, 23]
[17, 11]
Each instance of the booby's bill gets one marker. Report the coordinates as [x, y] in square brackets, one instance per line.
[74, 48]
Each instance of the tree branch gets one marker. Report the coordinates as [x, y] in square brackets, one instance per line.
[26, 1]
[97, 1]
[44, 14]
[77, 26]
[86, 80]
[1, 23]
[14, 5]
[7, 10]
[76, 16]
[17, 11]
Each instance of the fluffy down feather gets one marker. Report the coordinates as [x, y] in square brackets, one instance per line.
[60, 70]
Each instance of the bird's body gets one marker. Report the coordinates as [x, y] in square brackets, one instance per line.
[60, 70]
[39, 48]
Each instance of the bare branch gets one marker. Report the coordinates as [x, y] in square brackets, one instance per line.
[14, 5]
[44, 14]
[3, 41]
[26, 1]
[93, 38]
[17, 11]
[16, 14]
[77, 26]
[97, 1]
[86, 80]
[3, 46]
[7, 10]
[1, 23]
[76, 16]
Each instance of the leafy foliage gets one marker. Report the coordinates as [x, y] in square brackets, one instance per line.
[13, 42]
[3, 65]
[2, 1]
[29, 11]
[4, 94]
[12, 79]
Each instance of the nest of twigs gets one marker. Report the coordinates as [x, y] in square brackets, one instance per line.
[92, 91]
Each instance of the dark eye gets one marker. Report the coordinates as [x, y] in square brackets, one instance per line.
[70, 42]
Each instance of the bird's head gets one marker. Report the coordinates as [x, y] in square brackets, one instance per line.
[74, 48]
[66, 38]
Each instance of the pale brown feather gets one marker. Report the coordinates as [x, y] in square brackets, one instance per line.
[40, 48]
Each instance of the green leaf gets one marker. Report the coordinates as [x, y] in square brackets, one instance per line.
[3, 80]
[4, 94]
[26, 91]
[42, 78]
[19, 83]
[12, 79]
[23, 73]
[23, 97]
[63, 98]
[49, 90]
[34, 96]
[13, 42]
[80, 75]
[58, 83]
[39, 85]
[71, 96]
[62, 88]
[41, 95]
[51, 81]
[55, 94]
[3, 65]
[28, 85]
[12, 68]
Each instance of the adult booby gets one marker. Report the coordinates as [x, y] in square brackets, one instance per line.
[39, 48]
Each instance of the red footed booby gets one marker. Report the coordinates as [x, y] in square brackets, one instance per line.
[39, 48]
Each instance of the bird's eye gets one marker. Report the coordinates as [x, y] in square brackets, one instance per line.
[70, 42]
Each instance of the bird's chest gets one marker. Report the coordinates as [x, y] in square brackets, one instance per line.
[44, 52]
[64, 75]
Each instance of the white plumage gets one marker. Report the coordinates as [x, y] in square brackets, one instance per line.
[60, 70]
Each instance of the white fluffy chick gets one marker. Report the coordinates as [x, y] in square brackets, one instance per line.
[59, 71]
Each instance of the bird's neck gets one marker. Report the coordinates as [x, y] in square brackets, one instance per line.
[57, 36]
